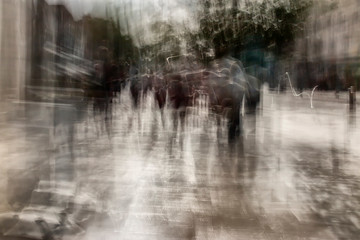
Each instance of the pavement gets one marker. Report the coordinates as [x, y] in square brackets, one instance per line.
[292, 175]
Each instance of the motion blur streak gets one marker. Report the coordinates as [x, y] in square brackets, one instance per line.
[155, 119]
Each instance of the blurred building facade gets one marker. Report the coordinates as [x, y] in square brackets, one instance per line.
[331, 41]
[58, 48]
[38, 42]
[42, 46]
[336, 33]
[15, 42]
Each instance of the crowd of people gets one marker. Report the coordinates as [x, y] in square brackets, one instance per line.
[177, 83]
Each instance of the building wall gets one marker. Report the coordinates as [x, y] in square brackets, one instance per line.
[334, 34]
[15, 24]
[331, 40]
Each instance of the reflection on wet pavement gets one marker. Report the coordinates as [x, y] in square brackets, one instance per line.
[291, 175]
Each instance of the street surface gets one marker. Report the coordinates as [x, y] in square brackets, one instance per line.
[293, 174]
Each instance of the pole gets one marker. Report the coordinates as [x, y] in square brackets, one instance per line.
[352, 97]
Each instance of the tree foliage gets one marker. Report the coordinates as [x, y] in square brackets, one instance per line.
[267, 23]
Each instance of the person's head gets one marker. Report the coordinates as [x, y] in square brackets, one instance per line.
[103, 53]
[63, 216]
[221, 48]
